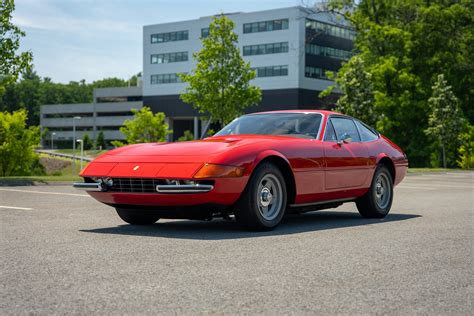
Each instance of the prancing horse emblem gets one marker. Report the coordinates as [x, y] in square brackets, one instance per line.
[136, 168]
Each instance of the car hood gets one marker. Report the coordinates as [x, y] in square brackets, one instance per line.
[205, 147]
[168, 159]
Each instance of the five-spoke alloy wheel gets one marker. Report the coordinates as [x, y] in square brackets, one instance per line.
[264, 200]
[376, 203]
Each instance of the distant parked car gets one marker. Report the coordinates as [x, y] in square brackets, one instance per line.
[258, 168]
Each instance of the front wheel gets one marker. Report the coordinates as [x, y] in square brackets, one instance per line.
[376, 203]
[263, 202]
[137, 217]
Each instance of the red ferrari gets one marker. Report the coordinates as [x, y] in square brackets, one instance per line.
[257, 168]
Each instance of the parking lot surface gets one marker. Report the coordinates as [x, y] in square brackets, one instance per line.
[62, 252]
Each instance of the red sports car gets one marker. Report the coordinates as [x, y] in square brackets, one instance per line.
[257, 168]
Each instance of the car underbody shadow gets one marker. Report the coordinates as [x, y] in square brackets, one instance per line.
[219, 229]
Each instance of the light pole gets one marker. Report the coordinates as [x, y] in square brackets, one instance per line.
[52, 140]
[82, 149]
[74, 143]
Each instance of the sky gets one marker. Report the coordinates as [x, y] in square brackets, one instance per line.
[86, 39]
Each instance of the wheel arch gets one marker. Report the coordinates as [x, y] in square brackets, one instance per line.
[387, 162]
[284, 166]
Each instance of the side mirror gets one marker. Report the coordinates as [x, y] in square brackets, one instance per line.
[345, 139]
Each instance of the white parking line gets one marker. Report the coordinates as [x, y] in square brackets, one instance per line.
[414, 187]
[42, 192]
[16, 208]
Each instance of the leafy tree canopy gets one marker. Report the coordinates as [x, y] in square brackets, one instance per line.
[220, 83]
[16, 144]
[145, 127]
[11, 62]
[404, 45]
[445, 121]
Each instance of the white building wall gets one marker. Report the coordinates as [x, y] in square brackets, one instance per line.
[294, 35]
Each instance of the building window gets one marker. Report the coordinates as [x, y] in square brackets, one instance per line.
[315, 72]
[271, 71]
[330, 29]
[204, 32]
[165, 78]
[262, 49]
[266, 26]
[169, 58]
[169, 37]
[313, 49]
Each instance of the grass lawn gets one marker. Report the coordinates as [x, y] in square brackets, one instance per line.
[419, 170]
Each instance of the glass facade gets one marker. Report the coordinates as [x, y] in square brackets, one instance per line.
[169, 58]
[266, 26]
[330, 29]
[205, 32]
[165, 78]
[314, 49]
[271, 71]
[169, 37]
[262, 49]
[315, 72]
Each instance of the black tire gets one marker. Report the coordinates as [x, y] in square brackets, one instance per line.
[376, 203]
[137, 217]
[265, 187]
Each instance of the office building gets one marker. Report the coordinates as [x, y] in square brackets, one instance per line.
[290, 48]
[109, 109]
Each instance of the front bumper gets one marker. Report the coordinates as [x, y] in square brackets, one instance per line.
[224, 191]
[93, 187]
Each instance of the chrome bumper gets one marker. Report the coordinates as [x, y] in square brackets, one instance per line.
[88, 186]
[165, 188]
[184, 188]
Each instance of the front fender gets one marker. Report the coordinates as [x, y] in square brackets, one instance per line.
[265, 154]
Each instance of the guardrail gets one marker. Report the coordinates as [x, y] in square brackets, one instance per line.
[69, 156]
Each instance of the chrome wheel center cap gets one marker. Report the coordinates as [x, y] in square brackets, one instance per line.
[379, 189]
[265, 197]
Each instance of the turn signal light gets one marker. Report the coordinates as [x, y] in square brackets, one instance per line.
[219, 171]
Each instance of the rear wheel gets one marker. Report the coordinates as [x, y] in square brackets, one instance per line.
[376, 203]
[137, 217]
[263, 202]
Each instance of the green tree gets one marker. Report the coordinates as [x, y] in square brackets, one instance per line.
[466, 150]
[405, 44]
[445, 120]
[357, 98]
[145, 127]
[110, 82]
[100, 141]
[187, 136]
[220, 84]
[11, 62]
[87, 142]
[16, 144]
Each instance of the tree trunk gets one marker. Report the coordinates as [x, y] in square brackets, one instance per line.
[444, 155]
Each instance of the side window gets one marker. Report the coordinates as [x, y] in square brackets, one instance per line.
[366, 133]
[330, 133]
[345, 126]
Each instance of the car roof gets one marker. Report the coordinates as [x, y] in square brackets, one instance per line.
[323, 112]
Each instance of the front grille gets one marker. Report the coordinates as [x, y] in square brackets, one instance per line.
[139, 185]
[146, 185]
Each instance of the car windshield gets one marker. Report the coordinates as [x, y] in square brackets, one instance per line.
[305, 125]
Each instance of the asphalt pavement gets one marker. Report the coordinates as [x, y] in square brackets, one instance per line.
[61, 252]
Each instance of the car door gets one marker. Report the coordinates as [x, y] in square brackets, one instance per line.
[346, 162]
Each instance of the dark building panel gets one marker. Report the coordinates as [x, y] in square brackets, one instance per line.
[322, 39]
[272, 100]
[323, 62]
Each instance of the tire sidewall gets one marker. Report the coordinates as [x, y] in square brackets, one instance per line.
[382, 211]
[261, 172]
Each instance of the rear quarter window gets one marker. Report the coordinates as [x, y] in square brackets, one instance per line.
[367, 134]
